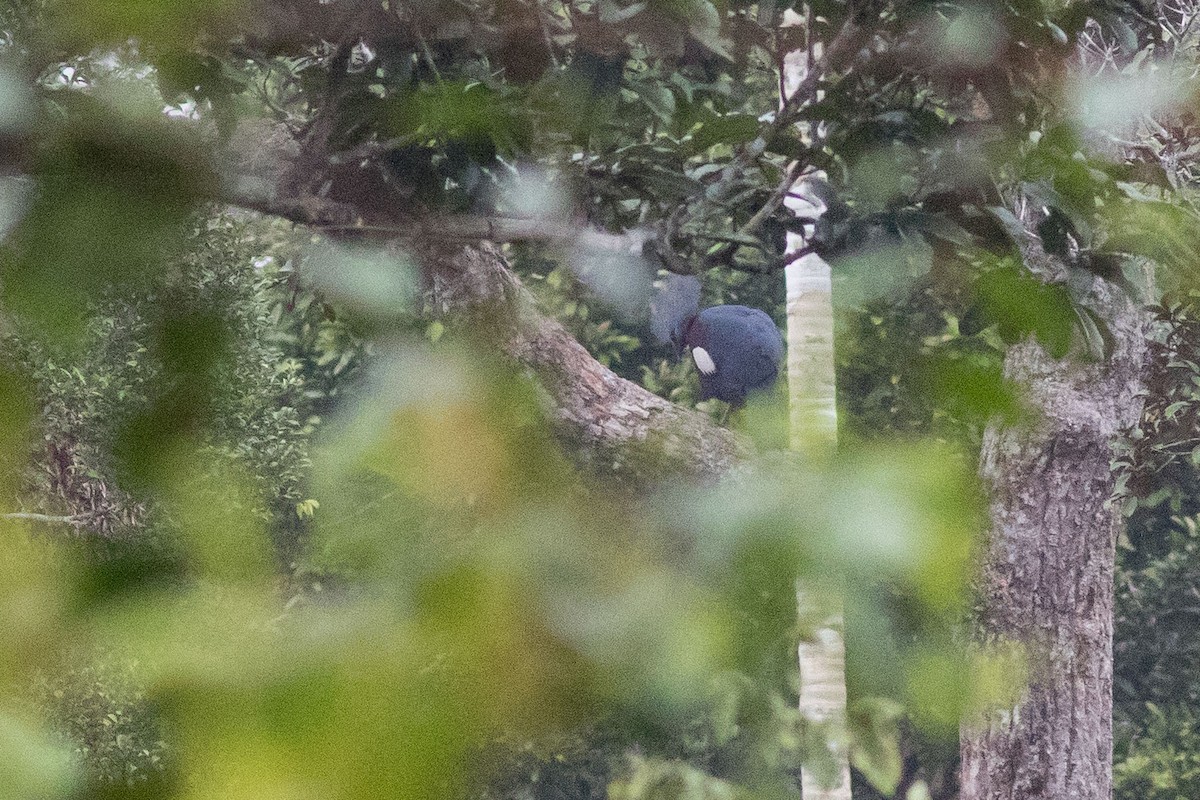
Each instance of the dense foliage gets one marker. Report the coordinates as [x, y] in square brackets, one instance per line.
[285, 531]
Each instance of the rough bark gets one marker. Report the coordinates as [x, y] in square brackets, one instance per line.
[618, 426]
[1048, 579]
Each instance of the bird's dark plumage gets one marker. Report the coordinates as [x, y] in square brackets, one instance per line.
[744, 346]
[736, 349]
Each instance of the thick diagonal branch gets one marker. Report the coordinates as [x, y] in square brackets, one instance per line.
[615, 425]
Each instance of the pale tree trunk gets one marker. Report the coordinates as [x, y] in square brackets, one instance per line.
[813, 415]
[814, 427]
[811, 382]
[811, 387]
[1048, 579]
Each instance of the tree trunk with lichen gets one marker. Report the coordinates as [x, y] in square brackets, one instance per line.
[1048, 579]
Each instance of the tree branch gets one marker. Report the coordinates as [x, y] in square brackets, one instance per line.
[776, 199]
[296, 201]
[371, 149]
[794, 171]
[307, 168]
[72, 519]
[333, 216]
[796, 255]
[619, 427]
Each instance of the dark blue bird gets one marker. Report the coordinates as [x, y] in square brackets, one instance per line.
[736, 349]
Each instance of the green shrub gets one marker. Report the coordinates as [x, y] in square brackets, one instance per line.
[92, 395]
[98, 706]
[1161, 761]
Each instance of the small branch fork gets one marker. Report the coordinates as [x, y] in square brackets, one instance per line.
[840, 52]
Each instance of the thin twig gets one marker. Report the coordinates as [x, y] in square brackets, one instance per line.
[537, 9]
[280, 114]
[426, 52]
[796, 255]
[72, 519]
[782, 191]
[752, 225]
[372, 149]
[809, 41]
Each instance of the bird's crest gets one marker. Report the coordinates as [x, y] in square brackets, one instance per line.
[676, 300]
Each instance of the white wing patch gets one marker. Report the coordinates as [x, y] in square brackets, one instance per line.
[704, 361]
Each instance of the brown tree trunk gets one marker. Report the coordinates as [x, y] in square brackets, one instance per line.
[1048, 580]
[613, 426]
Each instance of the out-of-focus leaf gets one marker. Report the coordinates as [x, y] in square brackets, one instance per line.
[1162, 232]
[35, 601]
[31, 767]
[16, 104]
[169, 24]
[973, 387]
[112, 206]
[612, 13]
[1008, 220]
[473, 112]
[936, 226]
[876, 264]
[1022, 305]
[192, 345]
[728, 129]
[876, 745]
[380, 286]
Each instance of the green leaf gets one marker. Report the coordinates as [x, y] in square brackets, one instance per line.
[704, 23]
[1021, 305]
[658, 98]
[937, 226]
[612, 13]
[1098, 339]
[728, 129]
[876, 742]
